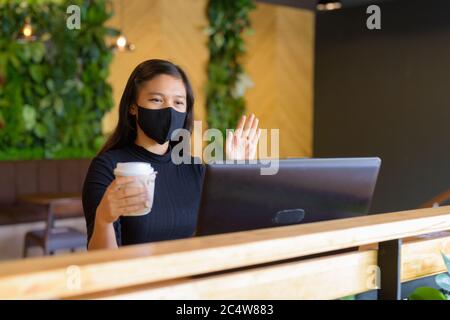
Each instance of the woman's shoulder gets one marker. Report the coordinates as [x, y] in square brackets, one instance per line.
[107, 160]
[116, 154]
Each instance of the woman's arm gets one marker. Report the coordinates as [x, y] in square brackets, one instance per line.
[105, 199]
[103, 237]
[121, 197]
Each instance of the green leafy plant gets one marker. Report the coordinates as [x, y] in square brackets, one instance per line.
[427, 293]
[53, 91]
[443, 279]
[227, 81]
[443, 282]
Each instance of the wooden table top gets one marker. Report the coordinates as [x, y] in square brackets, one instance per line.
[47, 198]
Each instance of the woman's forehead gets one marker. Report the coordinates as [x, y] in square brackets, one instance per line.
[164, 85]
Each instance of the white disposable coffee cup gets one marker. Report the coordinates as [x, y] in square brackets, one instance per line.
[146, 176]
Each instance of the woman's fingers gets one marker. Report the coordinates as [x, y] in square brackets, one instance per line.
[128, 191]
[120, 181]
[244, 139]
[130, 209]
[253, 144]
[240, 126]
[255, 139]
[229, 141]
[253, 130]
[247, 126]
[139, 199]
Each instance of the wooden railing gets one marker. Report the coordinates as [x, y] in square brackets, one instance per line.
[273, 263]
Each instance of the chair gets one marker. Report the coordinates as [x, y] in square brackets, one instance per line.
[438, 200]
[54, 238]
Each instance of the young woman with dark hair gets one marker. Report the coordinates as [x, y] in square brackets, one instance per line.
[157, 100]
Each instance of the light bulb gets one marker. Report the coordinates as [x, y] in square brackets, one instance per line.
[121, 42]
[27, 30]
[329, 5]
[332, 6]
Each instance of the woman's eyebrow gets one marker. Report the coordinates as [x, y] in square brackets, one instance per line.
[155, 93]
[163, 95]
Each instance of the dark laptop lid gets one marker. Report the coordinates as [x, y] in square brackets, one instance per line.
[237, 197]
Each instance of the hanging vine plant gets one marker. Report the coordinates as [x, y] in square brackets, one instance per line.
[227, 81]
[53, 90]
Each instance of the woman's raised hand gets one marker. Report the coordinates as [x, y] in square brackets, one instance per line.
[121, 198]
[242, 144]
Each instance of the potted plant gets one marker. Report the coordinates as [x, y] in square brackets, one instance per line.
[443, 282]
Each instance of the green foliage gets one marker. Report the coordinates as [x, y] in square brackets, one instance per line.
[443, 282]
[53, 91]
[228, 20]
[443, 279]
[427, 293]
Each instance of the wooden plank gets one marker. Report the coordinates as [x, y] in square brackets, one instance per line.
[421, 257]
[47, 198]
[322, 278]
[134, 265]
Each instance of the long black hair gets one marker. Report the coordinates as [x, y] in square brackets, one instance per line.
[125, 132]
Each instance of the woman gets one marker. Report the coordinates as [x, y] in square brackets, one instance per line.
[157, 100]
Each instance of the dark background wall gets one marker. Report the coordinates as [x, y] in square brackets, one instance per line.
[386, 93]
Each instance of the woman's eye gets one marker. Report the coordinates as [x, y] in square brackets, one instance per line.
[156, 100]
[180, 103]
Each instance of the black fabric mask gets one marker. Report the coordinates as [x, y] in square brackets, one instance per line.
[159, 124]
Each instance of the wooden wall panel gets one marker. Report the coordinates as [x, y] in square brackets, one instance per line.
[280, 63]
[295, 54]
[260, 65]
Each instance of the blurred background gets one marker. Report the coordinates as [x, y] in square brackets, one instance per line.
[311, 69]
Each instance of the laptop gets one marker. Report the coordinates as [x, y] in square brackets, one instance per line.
[237, 197]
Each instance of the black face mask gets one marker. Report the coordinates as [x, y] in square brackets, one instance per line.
[159, 124]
